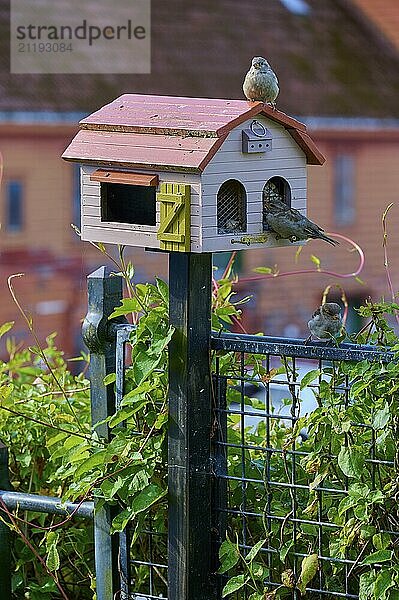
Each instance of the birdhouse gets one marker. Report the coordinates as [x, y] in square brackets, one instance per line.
[188, 174]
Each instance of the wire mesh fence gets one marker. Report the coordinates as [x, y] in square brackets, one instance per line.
[282, 482]
[148, 565]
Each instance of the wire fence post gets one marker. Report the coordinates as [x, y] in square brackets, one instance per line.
[5, 533]
[190, 427]
[104, 294]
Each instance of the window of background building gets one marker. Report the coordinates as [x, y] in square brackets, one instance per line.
[14, 206]
[344, 189]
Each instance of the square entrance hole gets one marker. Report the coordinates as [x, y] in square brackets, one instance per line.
[135, 204]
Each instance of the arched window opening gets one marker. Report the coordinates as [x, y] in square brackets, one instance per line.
[276, 189]
[232, 207]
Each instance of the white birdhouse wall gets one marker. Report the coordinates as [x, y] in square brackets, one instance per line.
[97, 230]
[208, 233]
[286, 160]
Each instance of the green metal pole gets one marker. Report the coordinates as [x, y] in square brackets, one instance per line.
[104, 294]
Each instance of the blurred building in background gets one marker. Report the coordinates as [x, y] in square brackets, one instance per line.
[338, 66]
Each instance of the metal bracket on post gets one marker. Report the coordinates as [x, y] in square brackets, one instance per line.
[190, 426]
[104, 294]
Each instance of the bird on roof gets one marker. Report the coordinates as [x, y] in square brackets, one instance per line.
[289, 224]
[260, 83]
[326, 322]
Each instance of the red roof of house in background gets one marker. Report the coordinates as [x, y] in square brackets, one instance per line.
[329, 62]
[171, 132]
[384, 14]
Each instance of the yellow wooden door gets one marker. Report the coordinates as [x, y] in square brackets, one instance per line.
[174, 225]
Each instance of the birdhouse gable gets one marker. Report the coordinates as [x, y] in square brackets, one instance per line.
[188, 174]
[243, 182]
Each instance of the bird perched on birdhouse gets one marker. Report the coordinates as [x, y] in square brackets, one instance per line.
[289, 224]
[261, 83]
[326, 321]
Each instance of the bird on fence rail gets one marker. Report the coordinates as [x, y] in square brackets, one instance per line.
[260, 83]
[326, 322]
[289, 224]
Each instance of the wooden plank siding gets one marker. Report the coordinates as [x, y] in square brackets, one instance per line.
[94, 229]
[285, 160]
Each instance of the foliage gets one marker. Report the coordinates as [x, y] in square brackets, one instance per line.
[33, 413]
[344, 471]
[351, 449]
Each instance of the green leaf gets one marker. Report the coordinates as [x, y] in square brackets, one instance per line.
[126, 413]
[139, 481]
[110, 378]
[6, 327]
[163, 289]
[161, 420]
[309, 568]
[121, 520]
[351, 461]
[128, 305]
[383, 583]
[381, 541]
[381, 417]
[57, 438]
[378, 557]
[234, 584]
[228, 556]
[316, 261]
[148, 496]
[93, 461]
[52, 558]
[309, 377]
[254, 551]
[144, 365]
[366, 585]
[263, 270]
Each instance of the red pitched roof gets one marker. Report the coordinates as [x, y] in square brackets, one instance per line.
[171, 132]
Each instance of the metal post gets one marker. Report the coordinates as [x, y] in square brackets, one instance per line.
[190, 426]
[5, 545]
[104, 294]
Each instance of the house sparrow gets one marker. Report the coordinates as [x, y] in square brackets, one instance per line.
[289, 224]
[326, 321]
[261, 83]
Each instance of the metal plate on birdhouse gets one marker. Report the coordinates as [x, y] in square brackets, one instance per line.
[256, 138]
